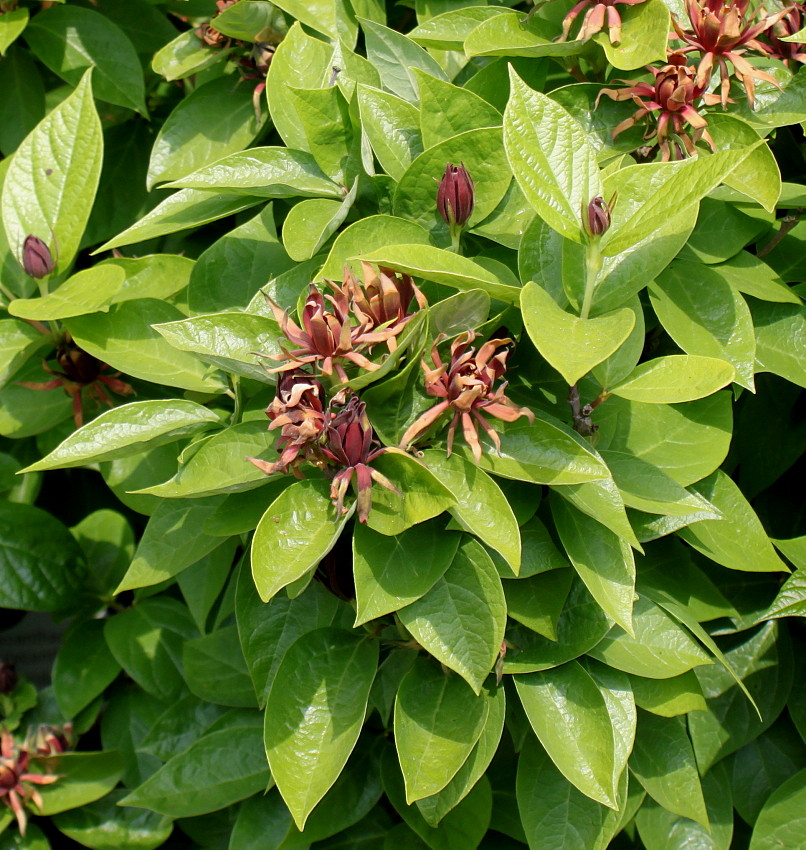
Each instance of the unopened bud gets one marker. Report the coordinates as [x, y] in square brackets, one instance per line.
[598, 217]
[8, 678]
[456, 195]
[36, 257]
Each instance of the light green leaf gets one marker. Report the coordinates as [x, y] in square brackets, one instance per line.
[538, 601]
[392, 126]
[392, 572]
[644, 35]
[551, 158]
[603, 561]
[127, 430]
[85, 292]
[253, 20]
[85, 777]
[152, 276]
[508, 35]
[184, 56]
[449, 30]
[18, 341]
[329, 17]
[738, 541]
[571, 344]
[12, 24]
[310, 224]
[314, 713]
[675, 378]
[50, 185]
[570, 718]
[438, 721]
[780, 340]
[669, 697]
[752, 276]
[791, 599]
[481, 508]
[296, 532]
[601, 500]
[461, 620]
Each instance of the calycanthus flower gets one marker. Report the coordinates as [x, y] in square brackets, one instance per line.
[456, 196]
[594, 20]
[788, 52]
[80, 371]
[17, 785]
[722, 33]
[466, 387]
[672, 97]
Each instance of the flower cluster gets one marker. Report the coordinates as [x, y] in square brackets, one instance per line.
[17, 785]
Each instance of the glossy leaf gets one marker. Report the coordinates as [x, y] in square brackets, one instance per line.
[392, 126]
[85, 778]
[782, 821]
[215, 669]
[675, 378]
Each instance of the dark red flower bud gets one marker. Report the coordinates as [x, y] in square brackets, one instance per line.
[456, 195]
[8, 678]
[36, 257]
[598, 217]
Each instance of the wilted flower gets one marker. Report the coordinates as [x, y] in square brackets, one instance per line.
[298, 411]
[8, 678]
[466, 386]
[788, 52]
[721, 32]
[80, 370]
[351, 444]
[672, 95]
[37, 261]
[17, 786]
[597, 220]
[595, 19]
[456, 196]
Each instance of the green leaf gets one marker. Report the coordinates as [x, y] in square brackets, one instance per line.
[551, 158]
[448, 31]
[481, 507]
[661, 648]
[268, 172]
[185, 56]
[763, 661]
[392, 126]
[328, 17]
[230, 341]
[396, 56]
[782, 822]
[738, 541]
[12, 24]
[752, 276]
[663, 761]
[107, 540]
[127, 430]
[83, 667]
[297, 530]
[669, 697]
[392, 572]
[460, 312]
[310, 224]
[215, 669]
[603, 561]
[436, 807]
[722, 230]
[790, 601]
[18, 341]
[64, 151]
[21, 109]
[538, 601]
[217, 770]
[84, 778]
[482, 153]
[581, 626]
[554, 813]
[42, 567]
[438, 721]
[125, 339]
[461, 620]
[103, 825]
[570, 718]
[675, 378]
[71, 40]
[704, 315]
[180, 211]
[602, 501]
[147, 640]
[445, 267]
[571, 344]
[779, 331]
[316, 707]
[644, 34]
[254, 20]
[187, 141]
[152, 276]
[509, 35]
[422, 495]
[233, 269]
[24, 411]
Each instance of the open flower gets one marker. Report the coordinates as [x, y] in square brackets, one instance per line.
[672, 97]
[594, 20]
[466, 386]
[17, 785]
[80, 371]
[789, 52]
[351, 445]
[298, 411]
[722, 33]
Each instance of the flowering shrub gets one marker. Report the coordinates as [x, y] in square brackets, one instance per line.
[401, 421]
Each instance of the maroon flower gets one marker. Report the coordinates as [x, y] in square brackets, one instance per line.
[298, 411]
[672, 96]
[456, 196]
[788, 52]
[466, 386]
[594, 20]
[597, 220]
[722, 33]
[17, 786]
[352, 446]
[80, 371]
[37, 261]
[8, 678]
[49, 740]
